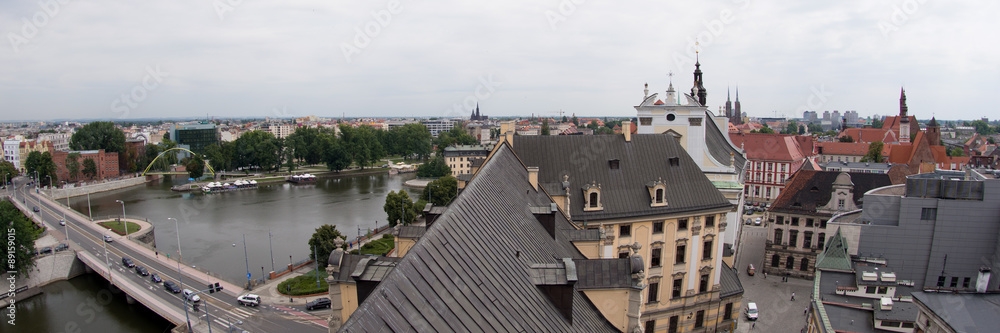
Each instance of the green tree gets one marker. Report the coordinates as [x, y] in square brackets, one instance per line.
[218, 157]
[21, 236]
[575, 121]
[42, 164]
[434, 168]
[564, 119]
[32, 162]
[99, 135]
[604, 130]
[877, 123]
[846, 138]
[982, 127]
[545, 126]
[455, 136]
[89, 168]
[399, 207]
[73, 165]
[337, 157]
[956, 152]
[7, 170]
[256, 149]
[764, 129]
[195, 166]
[440, 192]
[593, 125]
[324, 242]
[991, 141]
[814, 128]
[874, 154]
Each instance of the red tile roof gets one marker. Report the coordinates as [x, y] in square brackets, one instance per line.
[870, 135]
[773, 147]
[843, 148]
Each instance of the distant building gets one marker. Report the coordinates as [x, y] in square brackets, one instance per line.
[833, 151]
[280, 131]
[194, 136]
[12, 152]
[460, 158]
[27, 147]
[772, 158]
[436, 126]
[476, 116]
[810, 117]
[106, 163]
[60, 141]
[859, 167]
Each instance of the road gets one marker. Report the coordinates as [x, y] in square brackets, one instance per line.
[222, 308]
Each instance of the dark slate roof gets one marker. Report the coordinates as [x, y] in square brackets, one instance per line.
[374, 269]
[964, 312]
[808, 190]
[901, 311]
[729, 282]
[720, 148]
[585, 235]
[471, 269]
[411, 231]
[347, 265]
[603, 273]
[623, 191]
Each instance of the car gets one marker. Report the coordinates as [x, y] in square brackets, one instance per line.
[35, 209]
[61, 247]
[757, 221]
[749, 221]
[45, 250]
[127, 262]
[751, 311]
[751, 270]
[108, 239]
[62, 222]
[189, 294]
[171, 287]
[318, 303]
[155, 278]
[249, 300]
[141, 271]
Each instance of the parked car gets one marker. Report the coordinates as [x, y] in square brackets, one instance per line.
[35, 209]
[141, 271]
[751, 270]
[155, 278]
[127, 262]
[749, 221]
[45, 250]
[751, 311]
[189, 294]
[108, 239]
[318, 303]
[62, 222]
[171, 287]
[757, 221]
[249, 300]
[61, 247]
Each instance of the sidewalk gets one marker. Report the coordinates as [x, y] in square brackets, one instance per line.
[269, 291]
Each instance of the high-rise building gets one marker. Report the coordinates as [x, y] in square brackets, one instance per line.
[194, 136]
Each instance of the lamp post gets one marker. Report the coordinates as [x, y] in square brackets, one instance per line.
[106, 262]
[89, 211]
[270, 248]
[231, 323]
[316, 255]
[180, 277]
[50, 184]
[124, 221]
[246, 258]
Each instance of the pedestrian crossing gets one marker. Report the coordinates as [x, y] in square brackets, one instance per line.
[234, 316]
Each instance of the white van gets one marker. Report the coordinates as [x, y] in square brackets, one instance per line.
[751, 311]
[189, 294]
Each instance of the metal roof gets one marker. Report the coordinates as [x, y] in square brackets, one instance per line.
[963, 312]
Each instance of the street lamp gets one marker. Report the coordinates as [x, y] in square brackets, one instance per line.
[231, 323]
[124, 221]
[180, 277]
[50, 184]
[247, 259]
[106, 262]
[271, 248]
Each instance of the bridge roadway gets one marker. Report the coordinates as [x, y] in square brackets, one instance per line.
[86, 238]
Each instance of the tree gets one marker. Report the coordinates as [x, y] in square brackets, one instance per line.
[813, 128]
[440, 192]
[575, 121]
[99, 135]
[604, 130]
[435, 168]
[982, 127]
[324, 242]
[877, 123]
[7, 170]
[956, 152]
[31, 162]
[593, 125]
[218, 156]
[399, 208]
[564, 119]
[195, 166]
[73, 165]
[846, 138]
[455, 136]
[874, 154]
[89, 168]
[991, 141]
[42, 164]
[545, 126]
[337, 157]
[20, 239]
[764, 129]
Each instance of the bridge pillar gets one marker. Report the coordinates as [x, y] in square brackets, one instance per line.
[129, 299]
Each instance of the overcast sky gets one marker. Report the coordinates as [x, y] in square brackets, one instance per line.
[249, 58]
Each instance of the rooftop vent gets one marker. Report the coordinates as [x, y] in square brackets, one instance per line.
[614, 164]
[869, 276]
[888, 277]
[885, 304]
[674, 161]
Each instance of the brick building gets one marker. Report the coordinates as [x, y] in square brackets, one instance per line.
[107, 164]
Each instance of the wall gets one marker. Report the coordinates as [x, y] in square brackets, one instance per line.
[94, 188]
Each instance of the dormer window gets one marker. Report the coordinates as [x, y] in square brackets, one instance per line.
[657, 193]
[592, 197]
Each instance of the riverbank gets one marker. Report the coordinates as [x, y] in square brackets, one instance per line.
[279, 178]
[74, 190]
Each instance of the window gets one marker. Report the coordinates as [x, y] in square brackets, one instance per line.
[769, 165]
[658, 227]
[928, 214]
[706, 252]
[623, 255]
[795, 221]
[807, 239]
[954, 282]
[883, 290]
[840, 203]
[699, 319]
[822, 224]
[680, 254]
[659, 195]
[790, 262]
[809, 222]
[756, 191]
[907, 325]
[793, 238]
[682, 224]
[780, 219]
[870, 290]
[940, 283]
[593, 199]
[625, 230]
[650, 326]
[710, 221]
[678, 285]
[729, 312]
[703, 283]
[673, 325]
[782, 167]
[777, 236]
[804, 266]
[965, 283]
[768, 195]
[775, 260]
[654, 292]
[654, 260]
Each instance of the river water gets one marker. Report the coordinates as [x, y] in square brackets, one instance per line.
[212, 228]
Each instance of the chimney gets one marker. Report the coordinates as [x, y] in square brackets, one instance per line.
[557, 283]
[533, 177]
[546, 216]
[983, 281]
[431, 213]
[627, 130]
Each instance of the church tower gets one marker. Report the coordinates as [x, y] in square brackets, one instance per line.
[737, 111]
[698, 91]
[904, 120]
[933, 133]
[729, 106]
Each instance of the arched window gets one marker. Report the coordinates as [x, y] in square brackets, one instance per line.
[805, 265]
[592, 197]
[593, 200]
[775, 260]
[790, 262]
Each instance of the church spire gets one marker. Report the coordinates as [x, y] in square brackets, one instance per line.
[698, 91]
[902, 105]
[729, 105]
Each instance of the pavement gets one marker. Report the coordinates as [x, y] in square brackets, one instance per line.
[778, 313]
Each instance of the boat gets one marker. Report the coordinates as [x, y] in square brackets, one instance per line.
[217, 187]
[302, 179]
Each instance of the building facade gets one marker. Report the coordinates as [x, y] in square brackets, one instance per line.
[460, 158]
[436, 126]
[771, 159]
[194, 136]
[106, 164]
[12, 152]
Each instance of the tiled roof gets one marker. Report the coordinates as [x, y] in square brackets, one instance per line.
[808, 190]
[586, 160]
[869, 135]
[773, 147]
[471, 270]
[843, 148]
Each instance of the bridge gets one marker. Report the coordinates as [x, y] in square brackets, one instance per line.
[217, 310]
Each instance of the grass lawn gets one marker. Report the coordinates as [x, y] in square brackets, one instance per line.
[119, 228]
[379, 247]
[304, 284]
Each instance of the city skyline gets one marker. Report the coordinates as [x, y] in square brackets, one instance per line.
[228, 59]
